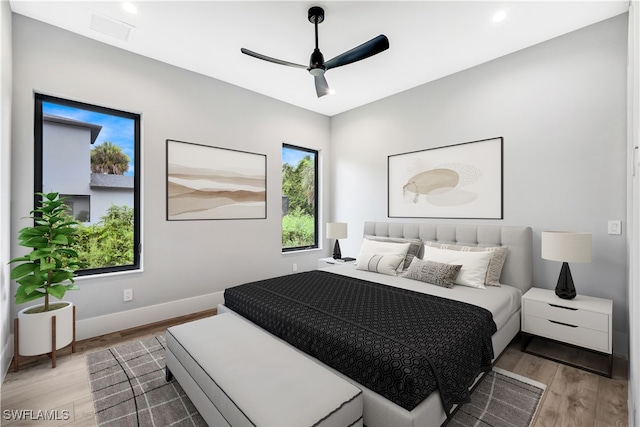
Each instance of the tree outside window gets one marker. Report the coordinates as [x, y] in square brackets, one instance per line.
[299, 198]
[90, 155]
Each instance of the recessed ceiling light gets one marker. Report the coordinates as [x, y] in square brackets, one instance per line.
[129, 7]
[499, 16]
[332, 91]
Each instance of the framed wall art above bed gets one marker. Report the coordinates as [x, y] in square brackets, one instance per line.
[456, 181]
[205, 182]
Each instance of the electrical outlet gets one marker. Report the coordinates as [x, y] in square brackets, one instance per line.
[614, 227]
[294, 267]
[128, 294]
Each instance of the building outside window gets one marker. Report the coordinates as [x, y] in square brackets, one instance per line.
[90, 155]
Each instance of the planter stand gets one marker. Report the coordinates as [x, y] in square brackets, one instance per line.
[52, 355]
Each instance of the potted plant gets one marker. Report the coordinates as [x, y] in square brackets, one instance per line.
[47, 270]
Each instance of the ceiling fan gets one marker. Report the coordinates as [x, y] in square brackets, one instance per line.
[317, 65]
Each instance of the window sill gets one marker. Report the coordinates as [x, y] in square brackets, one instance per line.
[107, 275]
[301, 251]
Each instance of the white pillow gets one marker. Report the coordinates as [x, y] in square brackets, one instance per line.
[381, 263]
[474, 264]
[372, 247]
[498, 257]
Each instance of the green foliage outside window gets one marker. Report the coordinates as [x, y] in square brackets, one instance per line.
[298, 184]
[109, 242]
[297, 230]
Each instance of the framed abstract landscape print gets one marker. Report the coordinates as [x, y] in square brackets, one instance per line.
[205, 182]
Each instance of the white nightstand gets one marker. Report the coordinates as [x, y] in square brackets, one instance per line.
[330, 262]
[583, 322]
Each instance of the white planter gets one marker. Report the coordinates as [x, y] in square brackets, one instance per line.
[35, 330]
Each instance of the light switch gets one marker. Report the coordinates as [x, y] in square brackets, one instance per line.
[615, 227]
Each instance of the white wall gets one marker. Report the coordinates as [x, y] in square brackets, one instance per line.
[187, 264]
[6, 345]
[633, 234]
[561, 108]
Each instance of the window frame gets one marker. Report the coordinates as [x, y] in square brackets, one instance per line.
[316, 227]
[137, 161]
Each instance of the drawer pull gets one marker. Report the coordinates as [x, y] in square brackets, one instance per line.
[563, 324]
[560, 306]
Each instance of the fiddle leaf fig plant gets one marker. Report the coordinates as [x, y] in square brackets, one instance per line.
[49, 268]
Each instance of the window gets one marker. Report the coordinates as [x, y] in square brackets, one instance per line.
[91, 156]
[79, 207]
[299, 198]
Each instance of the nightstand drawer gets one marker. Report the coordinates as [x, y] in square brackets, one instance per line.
[571, 333]
[578, 317]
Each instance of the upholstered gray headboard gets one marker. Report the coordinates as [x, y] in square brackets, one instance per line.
[518, 267]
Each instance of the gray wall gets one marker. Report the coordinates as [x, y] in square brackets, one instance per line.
[5, 185]
[561, 108]
[182, 259]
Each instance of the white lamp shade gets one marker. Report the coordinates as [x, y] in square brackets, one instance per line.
[566, 246]
[336, 230]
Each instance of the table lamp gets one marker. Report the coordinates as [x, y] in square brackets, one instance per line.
[336, 230]
[566, 246]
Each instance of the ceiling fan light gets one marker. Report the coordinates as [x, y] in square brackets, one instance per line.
[499, 16]
[130, 7]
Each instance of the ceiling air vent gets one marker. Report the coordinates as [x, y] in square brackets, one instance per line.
[111, 27]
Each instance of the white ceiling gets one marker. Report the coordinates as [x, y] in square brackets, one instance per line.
[428, 39]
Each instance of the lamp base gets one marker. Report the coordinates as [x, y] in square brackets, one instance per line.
[565, 288]
[336, 251]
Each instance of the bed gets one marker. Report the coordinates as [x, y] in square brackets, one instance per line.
[343, 317]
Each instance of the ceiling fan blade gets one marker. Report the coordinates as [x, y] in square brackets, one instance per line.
[269, 59]
[365, 50]
[322, 87]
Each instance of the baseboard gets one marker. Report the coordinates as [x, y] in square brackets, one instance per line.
[101, 325]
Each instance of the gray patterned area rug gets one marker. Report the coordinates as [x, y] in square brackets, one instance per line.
[129, 388]
[501, 399]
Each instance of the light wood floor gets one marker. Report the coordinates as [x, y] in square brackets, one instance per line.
[573, 397]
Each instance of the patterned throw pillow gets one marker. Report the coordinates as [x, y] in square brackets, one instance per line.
[498, 256]
[414, 246]
[381, 263]
[374, 247]
[433, 272]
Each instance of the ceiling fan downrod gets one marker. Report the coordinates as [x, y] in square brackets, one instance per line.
[316, 63]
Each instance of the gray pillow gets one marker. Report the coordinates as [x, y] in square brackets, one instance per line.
[433, 272]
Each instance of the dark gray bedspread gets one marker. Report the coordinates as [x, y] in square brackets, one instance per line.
[401, 344]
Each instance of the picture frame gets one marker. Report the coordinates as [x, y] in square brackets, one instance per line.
[208, 183]
[463, 181]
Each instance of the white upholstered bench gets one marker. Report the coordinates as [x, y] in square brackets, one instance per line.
[238, 375]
